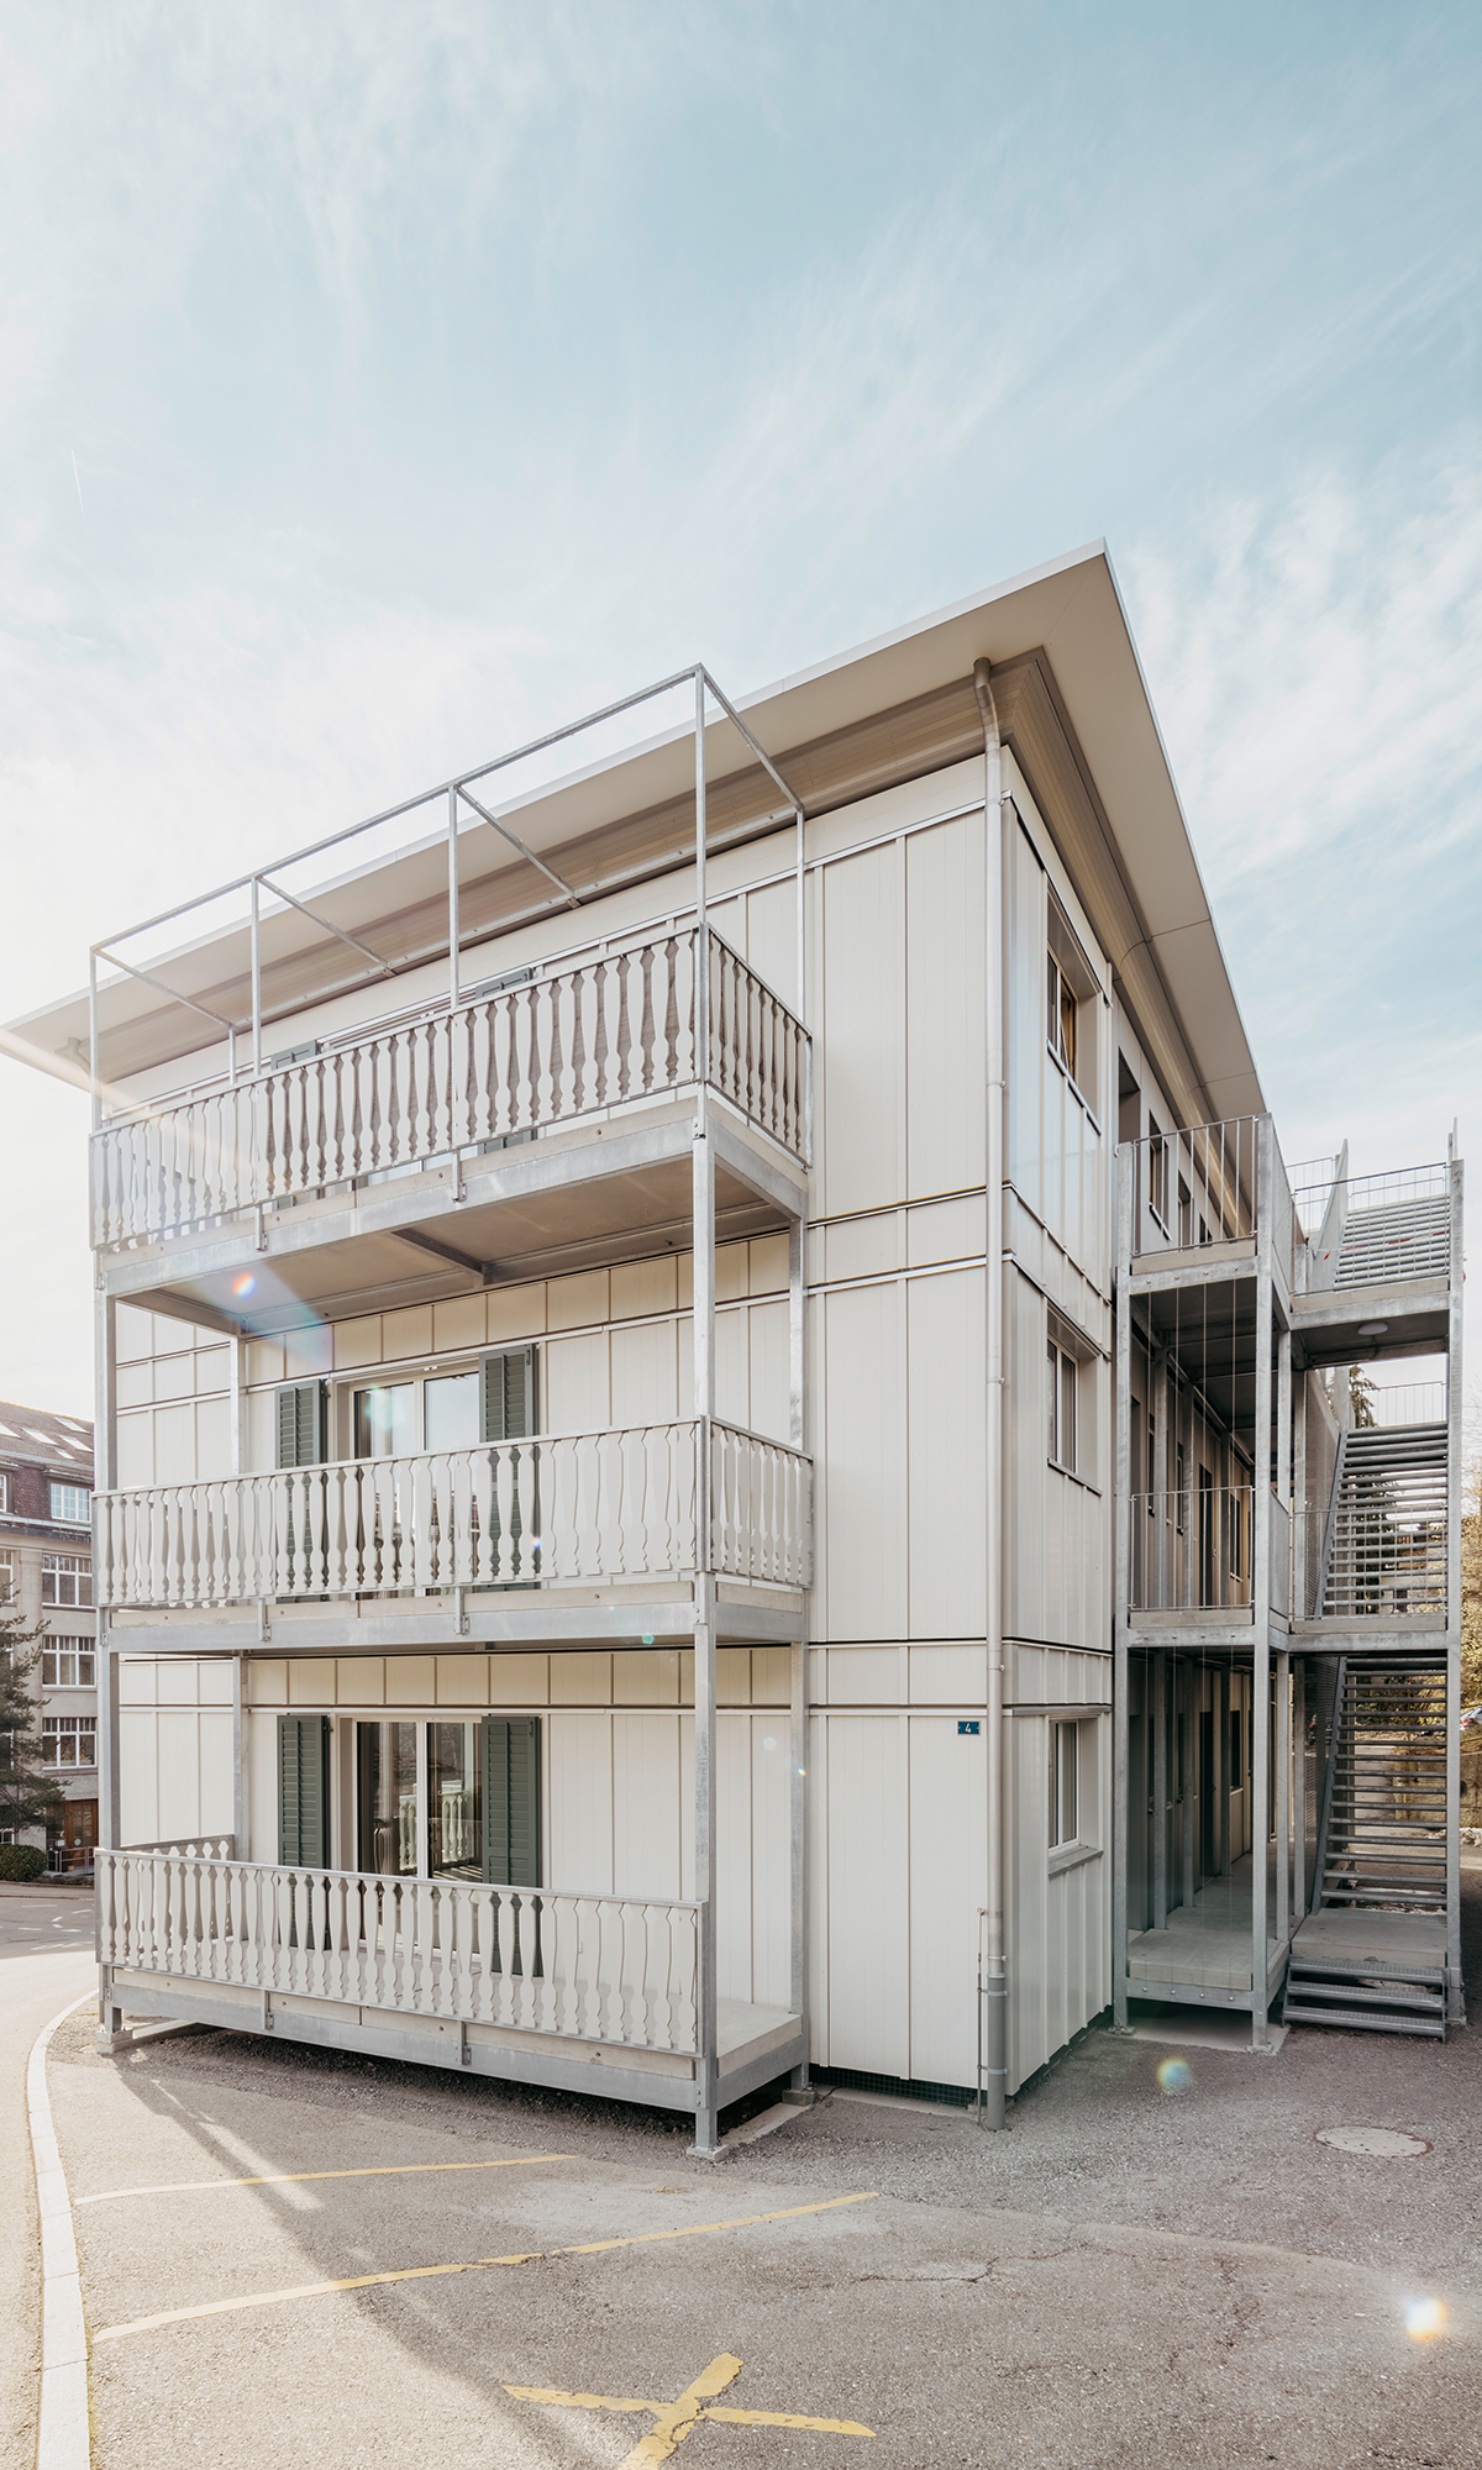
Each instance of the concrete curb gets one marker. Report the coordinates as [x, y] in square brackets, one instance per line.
[63, 2438]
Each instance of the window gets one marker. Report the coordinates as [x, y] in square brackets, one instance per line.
[1157, 1172]
[67, 1664]
[388, 1821]
[1061, 1378]
[1236, 1776]
[69, 1740]
[7, 1577]
[72, 1505]
[1178, 1496]
[1236, 1500]
[1063, 1023]
[66, 1578]
[4, 1494]
[493, 1400]
[1152, 1474]
[1065, 1778]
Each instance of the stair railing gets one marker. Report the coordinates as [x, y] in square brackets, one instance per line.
[1324, 1824]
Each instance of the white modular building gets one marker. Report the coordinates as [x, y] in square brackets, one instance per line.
[723, 1445]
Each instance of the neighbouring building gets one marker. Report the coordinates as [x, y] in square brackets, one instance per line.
[46, 1575]
[723, 1442]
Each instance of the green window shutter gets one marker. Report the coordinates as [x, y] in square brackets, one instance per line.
[303, 1420]
[303, 1791]
[512, 1800]
[509, 1394]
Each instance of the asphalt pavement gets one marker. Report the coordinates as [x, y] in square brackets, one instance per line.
[294, 2254]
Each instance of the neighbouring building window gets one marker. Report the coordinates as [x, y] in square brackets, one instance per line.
[67, 1664]
[69, 1740]
[1065, 1777]
[4, 1493]
[66, 1578]
[7, 1577]
[1061, 1370]
[72, 1504]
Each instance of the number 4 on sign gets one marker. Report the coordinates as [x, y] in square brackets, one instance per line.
[674, 2420]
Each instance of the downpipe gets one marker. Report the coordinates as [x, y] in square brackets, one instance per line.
[993, 1998]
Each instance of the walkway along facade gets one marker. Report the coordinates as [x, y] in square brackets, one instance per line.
[661, 1517]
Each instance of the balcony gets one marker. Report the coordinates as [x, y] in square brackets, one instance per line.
[591, 1043]
[612, 1509]
[1191, 1555]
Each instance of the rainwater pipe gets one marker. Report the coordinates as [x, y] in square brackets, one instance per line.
[995, 1976]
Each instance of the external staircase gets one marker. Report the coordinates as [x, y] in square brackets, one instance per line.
[1384, 1554]
[1372, 1953]
[1396, 1240]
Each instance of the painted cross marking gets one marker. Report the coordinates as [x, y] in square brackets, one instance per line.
[674, 2420]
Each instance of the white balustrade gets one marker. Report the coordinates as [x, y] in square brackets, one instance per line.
[615, 1028]
[576, 1509]
[615, 1969]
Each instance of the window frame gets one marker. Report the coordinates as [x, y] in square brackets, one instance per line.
[77, 1725]
[1064, 1765]
[76, 1566]
[77, 1651]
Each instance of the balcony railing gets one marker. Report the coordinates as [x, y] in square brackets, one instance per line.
[614, 1969]
[614, 1029]
[584, 1509]
[1195, 1187]
[1191, 1550]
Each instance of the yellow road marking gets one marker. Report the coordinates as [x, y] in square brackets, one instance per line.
[475, 2264]
[674, 2420]
[292, 2178]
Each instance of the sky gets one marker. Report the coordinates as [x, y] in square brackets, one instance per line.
[379, 385]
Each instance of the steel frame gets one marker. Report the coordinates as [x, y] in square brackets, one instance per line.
[703, 1615]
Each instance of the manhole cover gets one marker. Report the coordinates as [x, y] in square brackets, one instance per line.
[1379, 2143]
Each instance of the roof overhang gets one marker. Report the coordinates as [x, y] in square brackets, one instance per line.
[1074, 709]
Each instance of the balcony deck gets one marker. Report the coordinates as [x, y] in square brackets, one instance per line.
[583, 1993]
[532, 1125]
[581, 1535]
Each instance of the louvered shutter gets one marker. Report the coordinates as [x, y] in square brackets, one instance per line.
[512, 1800]
[508, 1404]
[303, 1791]
[302, 1424]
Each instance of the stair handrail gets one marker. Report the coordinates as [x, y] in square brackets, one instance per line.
[1330, 1529]
[1320, 1857]
[1322, 1253]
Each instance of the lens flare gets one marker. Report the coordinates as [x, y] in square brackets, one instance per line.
[243, 1285]
[1425, 2318]
[1175, 2075]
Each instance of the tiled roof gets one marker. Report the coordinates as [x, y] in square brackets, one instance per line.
[61, 1441]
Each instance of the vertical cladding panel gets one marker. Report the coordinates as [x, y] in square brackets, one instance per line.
[1028, 1914]
[579, 1798]
[213, 1439]
[869, 1957]
[136, 1448]
[945, 1007]
[645, 1373]
[138, 1741]
[770, 1372]
[578, 1387]
[175, 1444]
[645, 1806]
[216, 1770]
[820, 1887]
[262, 1785]
[1024, 933]
[732, 1368]
[863, 1017]
[733, 1848]
[864, 1471]
[771, 1858]
[179, 1771]
[945, 1491]
[1027, 1542]
[772, 934]
[949, 1819]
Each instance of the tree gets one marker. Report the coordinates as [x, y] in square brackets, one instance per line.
[1471, 1586]
[1361, 1396]
[30, 1793]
